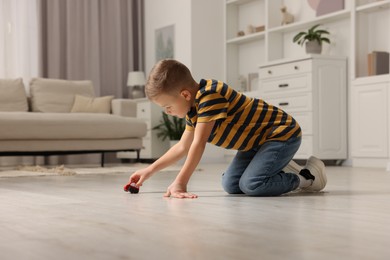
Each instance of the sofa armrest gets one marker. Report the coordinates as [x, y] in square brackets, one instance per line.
[124, 107]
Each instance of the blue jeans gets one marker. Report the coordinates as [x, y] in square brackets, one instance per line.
[258, 172]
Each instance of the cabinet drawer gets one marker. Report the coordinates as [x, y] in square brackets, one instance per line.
[292, 103]
[143, 110]
[287, 84]
[285, 69]
[305, 120]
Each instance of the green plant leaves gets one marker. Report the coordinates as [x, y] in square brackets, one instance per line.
[170, 127]
[311, 35]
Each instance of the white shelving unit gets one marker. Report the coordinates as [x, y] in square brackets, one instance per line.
[244, 54]
[360, 28]
[370, 95]
[370, 21]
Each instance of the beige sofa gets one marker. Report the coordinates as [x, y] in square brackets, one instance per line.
[64, 117]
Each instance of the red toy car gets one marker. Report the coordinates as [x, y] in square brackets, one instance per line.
[130, 187]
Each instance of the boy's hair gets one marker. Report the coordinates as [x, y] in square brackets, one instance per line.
[168, 76]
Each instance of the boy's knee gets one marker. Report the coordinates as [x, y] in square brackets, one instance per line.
[259, 189]
[230, 186]
[232, 190]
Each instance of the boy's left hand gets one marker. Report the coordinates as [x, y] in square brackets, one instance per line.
[179, 191]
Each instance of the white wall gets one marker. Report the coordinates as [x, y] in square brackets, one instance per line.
[198, 41]
[198, 34]
[207, 39]
[162, 13]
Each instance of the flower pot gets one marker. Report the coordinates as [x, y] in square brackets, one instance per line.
[313, 47]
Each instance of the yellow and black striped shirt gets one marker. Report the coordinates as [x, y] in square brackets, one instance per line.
[241, 122]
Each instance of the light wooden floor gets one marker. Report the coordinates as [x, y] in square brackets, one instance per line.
[90, 217]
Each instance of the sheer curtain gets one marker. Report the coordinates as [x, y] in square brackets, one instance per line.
[18, 50]
[19, 39]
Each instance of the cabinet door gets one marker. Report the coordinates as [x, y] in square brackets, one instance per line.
[370, 120]
[329, 92]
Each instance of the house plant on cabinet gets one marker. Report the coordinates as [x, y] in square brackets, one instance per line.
[171, 128]
[313, 37]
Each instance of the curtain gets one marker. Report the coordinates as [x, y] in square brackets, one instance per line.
[100, 40]
[18, 50]
[18, 39]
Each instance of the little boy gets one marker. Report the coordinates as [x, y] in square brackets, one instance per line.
[265, 136]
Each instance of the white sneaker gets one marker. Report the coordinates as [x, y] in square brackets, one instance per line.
[317, 169]
[292, 167]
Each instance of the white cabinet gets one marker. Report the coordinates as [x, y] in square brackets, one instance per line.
[153, 147]
[370, 118]
[313, 90]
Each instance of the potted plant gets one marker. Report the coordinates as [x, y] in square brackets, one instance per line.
[170, 127]
[314, 37]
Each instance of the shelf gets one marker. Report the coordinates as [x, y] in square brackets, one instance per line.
[246, 38]
[305, 57]
[375, 6]
[332, 17]
[371, 79]
[238, 2]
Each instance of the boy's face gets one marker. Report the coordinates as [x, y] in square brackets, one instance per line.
[175, 105]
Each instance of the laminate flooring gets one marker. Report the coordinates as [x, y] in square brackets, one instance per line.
[91, 217]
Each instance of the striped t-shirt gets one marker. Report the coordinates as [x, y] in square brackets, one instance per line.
[241, 122]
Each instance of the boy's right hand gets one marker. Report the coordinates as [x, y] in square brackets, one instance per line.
[140, 176]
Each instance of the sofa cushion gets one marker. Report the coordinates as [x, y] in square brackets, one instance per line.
[62, 126]
[69, 145]
[13, 95]
[84, 104]
[56, 95]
